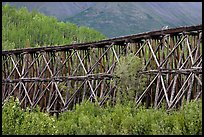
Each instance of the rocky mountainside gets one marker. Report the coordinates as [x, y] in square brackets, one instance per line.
[60, 10]
[122, 18]
[116, 19]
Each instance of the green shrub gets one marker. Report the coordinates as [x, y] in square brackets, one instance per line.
[16, 121]
[12, 117]
[129, 82]
[190, 118]
[89, 118]
[162, 123]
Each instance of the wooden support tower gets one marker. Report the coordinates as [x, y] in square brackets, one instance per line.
[58, 77]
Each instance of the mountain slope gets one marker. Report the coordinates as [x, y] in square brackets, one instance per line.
[60, 10]
[121, 18]
[20, 27]
[118, 18]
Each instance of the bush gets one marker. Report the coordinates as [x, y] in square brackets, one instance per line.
[129, 82]
[12, 117]
[189, 120]
[89, 118]
[16, 121]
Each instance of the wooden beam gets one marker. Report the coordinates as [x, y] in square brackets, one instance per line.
[106, 42]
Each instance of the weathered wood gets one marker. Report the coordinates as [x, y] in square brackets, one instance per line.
[58, 77]
[108, 41]
[173, 71]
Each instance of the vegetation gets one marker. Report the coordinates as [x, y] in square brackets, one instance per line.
[128, 78]
[20, 27]
[89, 118]
[122, 118]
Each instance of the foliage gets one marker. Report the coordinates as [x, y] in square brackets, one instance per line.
[18, 26]
[16, 121]
[89, 118]
[129, 78]
[7, 45]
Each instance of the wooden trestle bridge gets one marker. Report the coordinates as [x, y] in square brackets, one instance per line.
[57, 77]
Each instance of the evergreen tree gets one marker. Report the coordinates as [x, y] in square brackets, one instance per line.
[20, 25]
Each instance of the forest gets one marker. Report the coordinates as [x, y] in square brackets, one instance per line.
[24, 29]
[21, 27]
